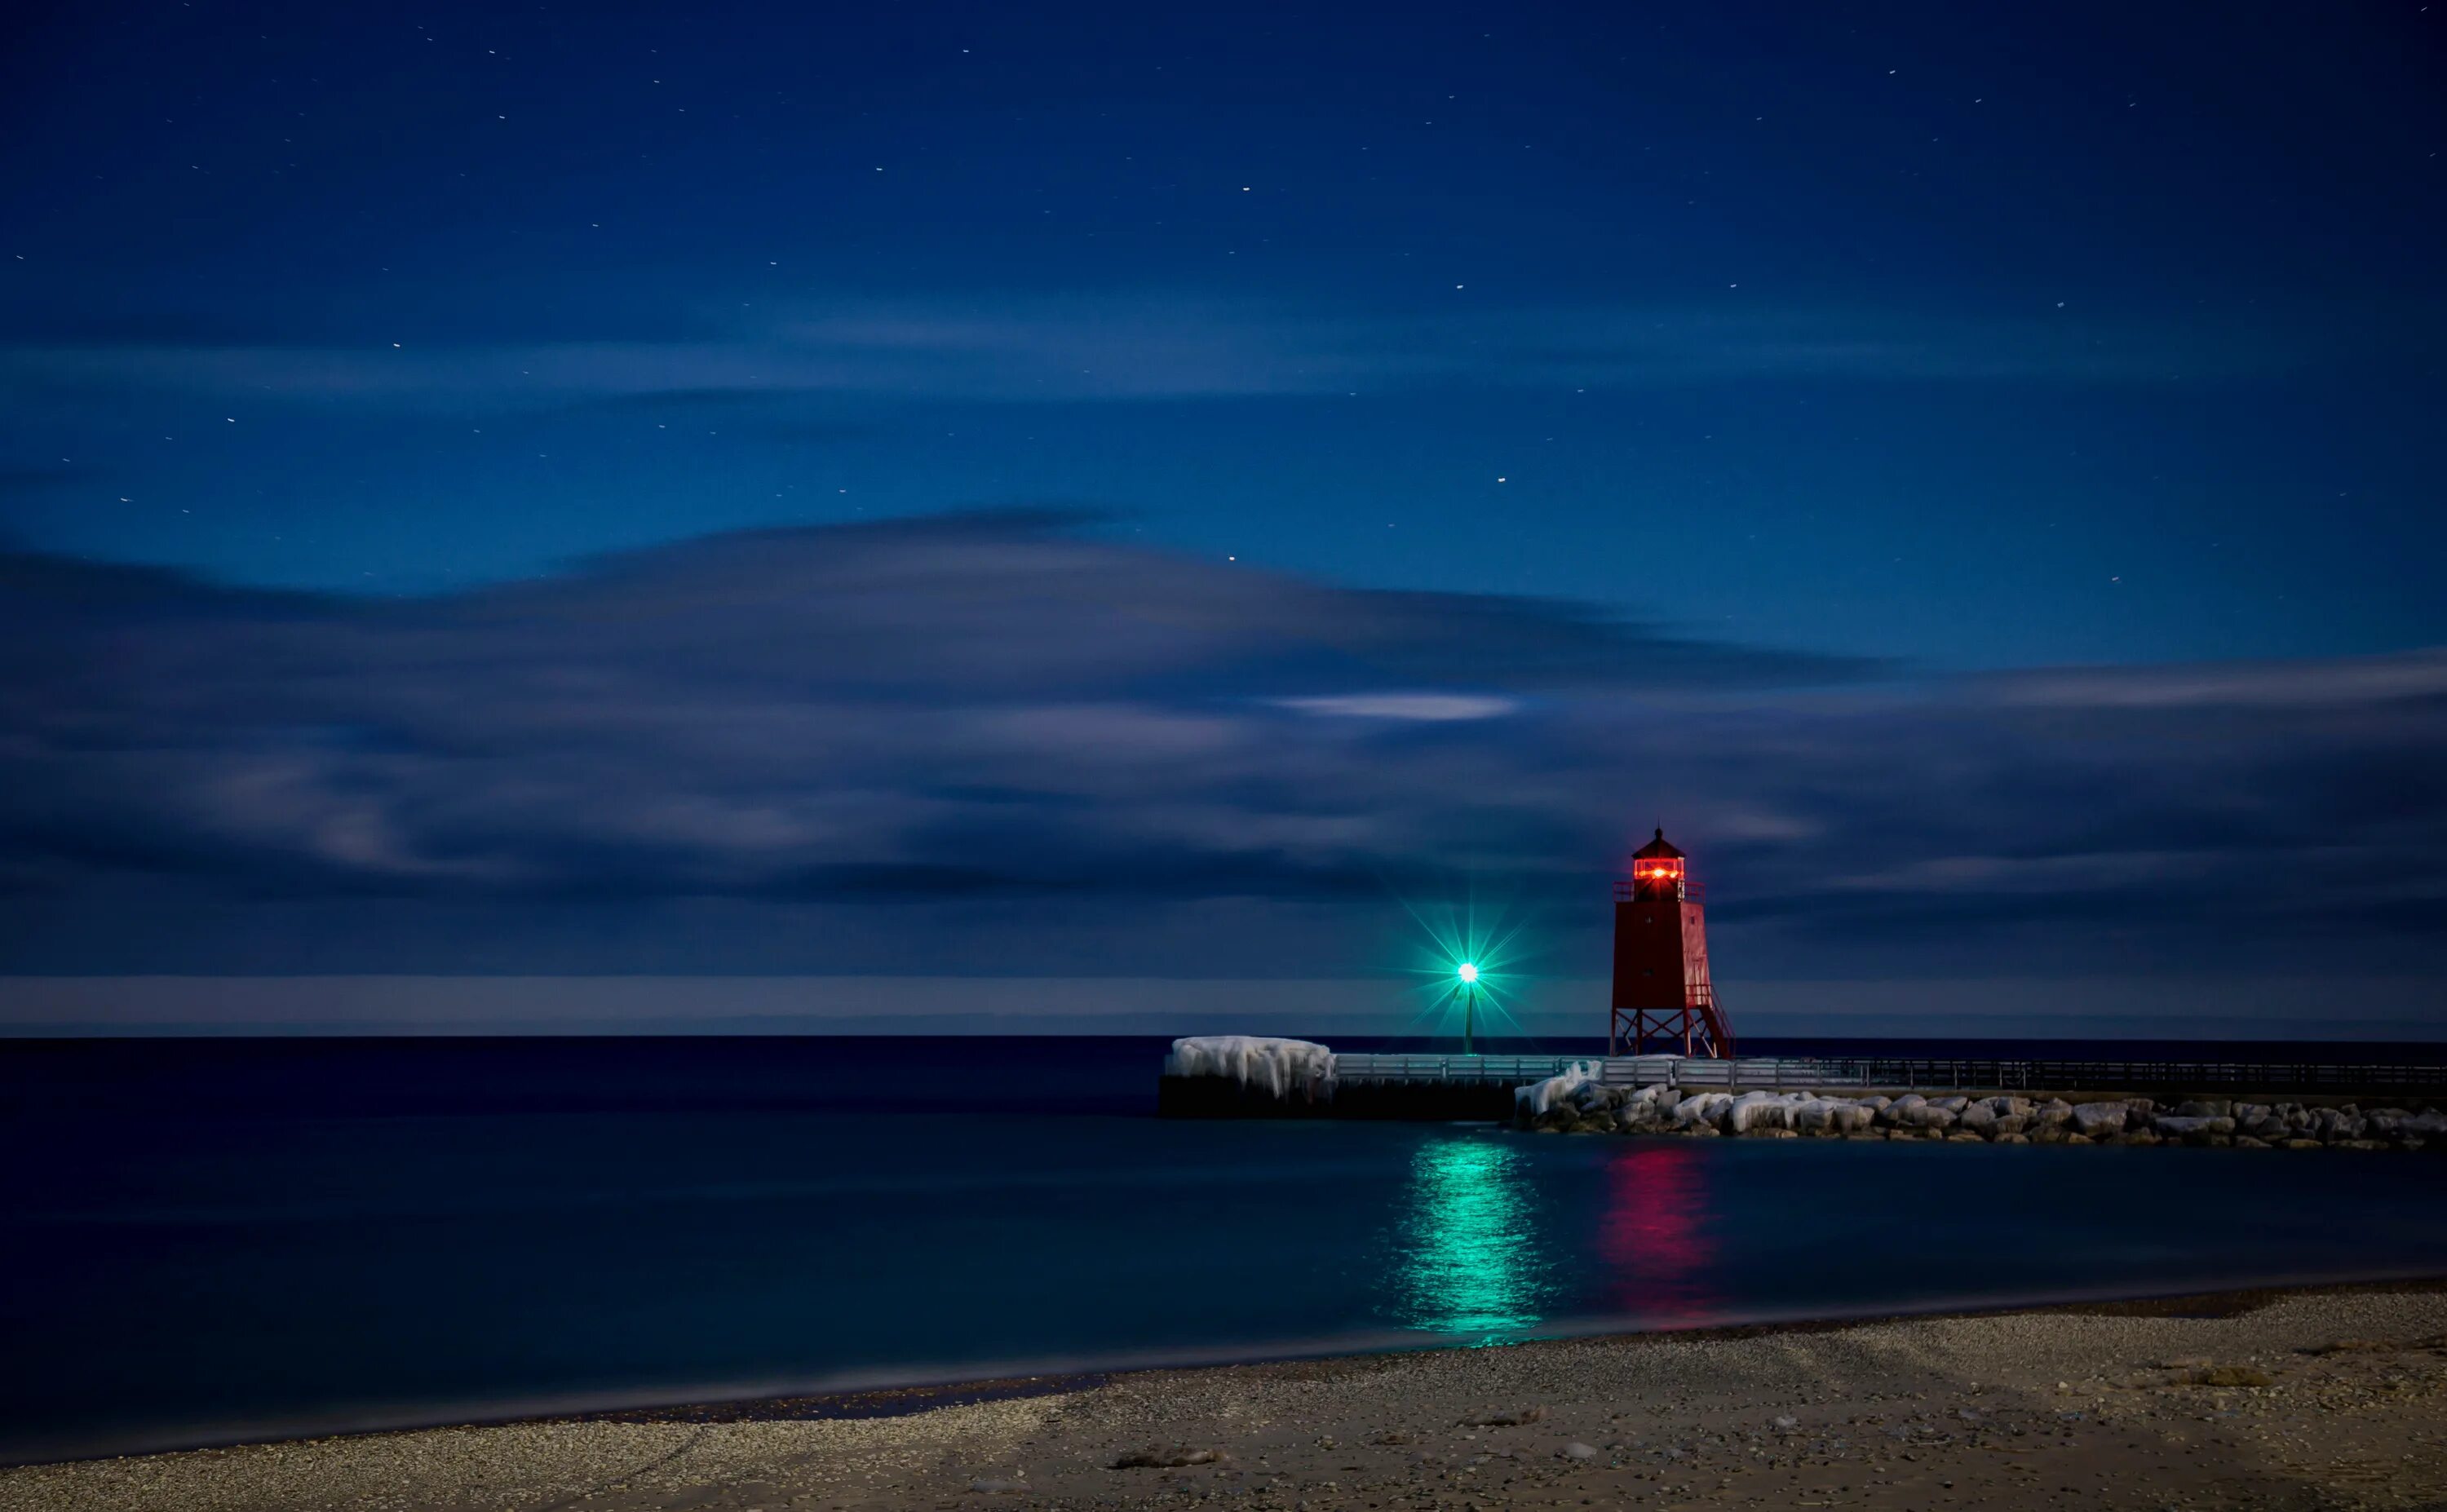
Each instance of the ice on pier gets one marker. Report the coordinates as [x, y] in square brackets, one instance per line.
[1539, 1096]
[1279, 1066]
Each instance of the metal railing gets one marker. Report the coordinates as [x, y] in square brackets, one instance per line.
[1518, 1071]
[1770, 1074]
[1691, 891]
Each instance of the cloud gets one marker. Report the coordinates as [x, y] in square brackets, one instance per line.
[989, 718]
[1432, 708]
[1127, 346]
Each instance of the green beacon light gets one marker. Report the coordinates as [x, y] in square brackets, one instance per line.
[1468, 973]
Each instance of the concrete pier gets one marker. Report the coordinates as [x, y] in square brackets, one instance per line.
[2403, 1099]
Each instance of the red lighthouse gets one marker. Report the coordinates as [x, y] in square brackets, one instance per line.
[1663, 996]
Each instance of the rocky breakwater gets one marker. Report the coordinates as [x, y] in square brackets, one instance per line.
[1573, 1104]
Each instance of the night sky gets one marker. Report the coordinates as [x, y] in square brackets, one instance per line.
[1085, 491]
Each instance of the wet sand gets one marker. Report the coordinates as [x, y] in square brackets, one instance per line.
[2330, 1398]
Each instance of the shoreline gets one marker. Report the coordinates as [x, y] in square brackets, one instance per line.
[1030, 1421]
[888, 1393]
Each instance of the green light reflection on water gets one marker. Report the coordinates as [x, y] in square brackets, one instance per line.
[1467, 1263]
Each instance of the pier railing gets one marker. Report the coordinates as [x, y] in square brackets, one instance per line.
[1769, 1074]
[1514, 1071]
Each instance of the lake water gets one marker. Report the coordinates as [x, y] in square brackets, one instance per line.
[209, 1239]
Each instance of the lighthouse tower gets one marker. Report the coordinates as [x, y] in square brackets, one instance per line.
[1663, 1001]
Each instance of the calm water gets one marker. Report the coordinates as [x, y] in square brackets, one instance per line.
[216, 1239]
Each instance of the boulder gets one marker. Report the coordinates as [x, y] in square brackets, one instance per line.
[2098, 1120]
[2011, 1125]
[2012, 1139]
[1751, 1112]
[1954, 1104]
[1936, 1120]
[1699, 1110]
[2205, 1108]
[1594, 1097]
[1899, 1113]
[1978, 1118]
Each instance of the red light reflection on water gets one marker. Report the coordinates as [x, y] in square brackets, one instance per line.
[1658, 1255]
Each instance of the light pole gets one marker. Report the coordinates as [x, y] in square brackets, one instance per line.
[1469, 975]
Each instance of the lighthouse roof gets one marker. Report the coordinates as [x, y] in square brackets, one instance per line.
[1660, 846]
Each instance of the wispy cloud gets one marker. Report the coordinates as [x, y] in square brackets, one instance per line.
[1137, 347]
[994, 710]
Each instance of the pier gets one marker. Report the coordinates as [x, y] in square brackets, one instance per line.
[1290, 1078]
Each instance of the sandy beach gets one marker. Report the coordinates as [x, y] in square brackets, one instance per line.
[2311, 1399]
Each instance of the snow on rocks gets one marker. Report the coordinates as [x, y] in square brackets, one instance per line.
[1574, 1101]
[1538, 1097]
[1280, 1066]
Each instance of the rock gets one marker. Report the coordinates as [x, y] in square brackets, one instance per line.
[1751, 1112]
[2012, 1124]
[2136, 1136]
[2302, 1144]
[1899, 1113]
[2098, 1120]
[1155, 1459]
[2245, 1142]
[1505, 1420]
[2079, 1138]
[1937, 1119]
[2013, 1139]
[1978, 1118]
[1954, 1104]
[2205, 1108]
[1788, 1423]
[1577, 1450]
[2051, 1135]
[2178, 1125]
[1965, 1137]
